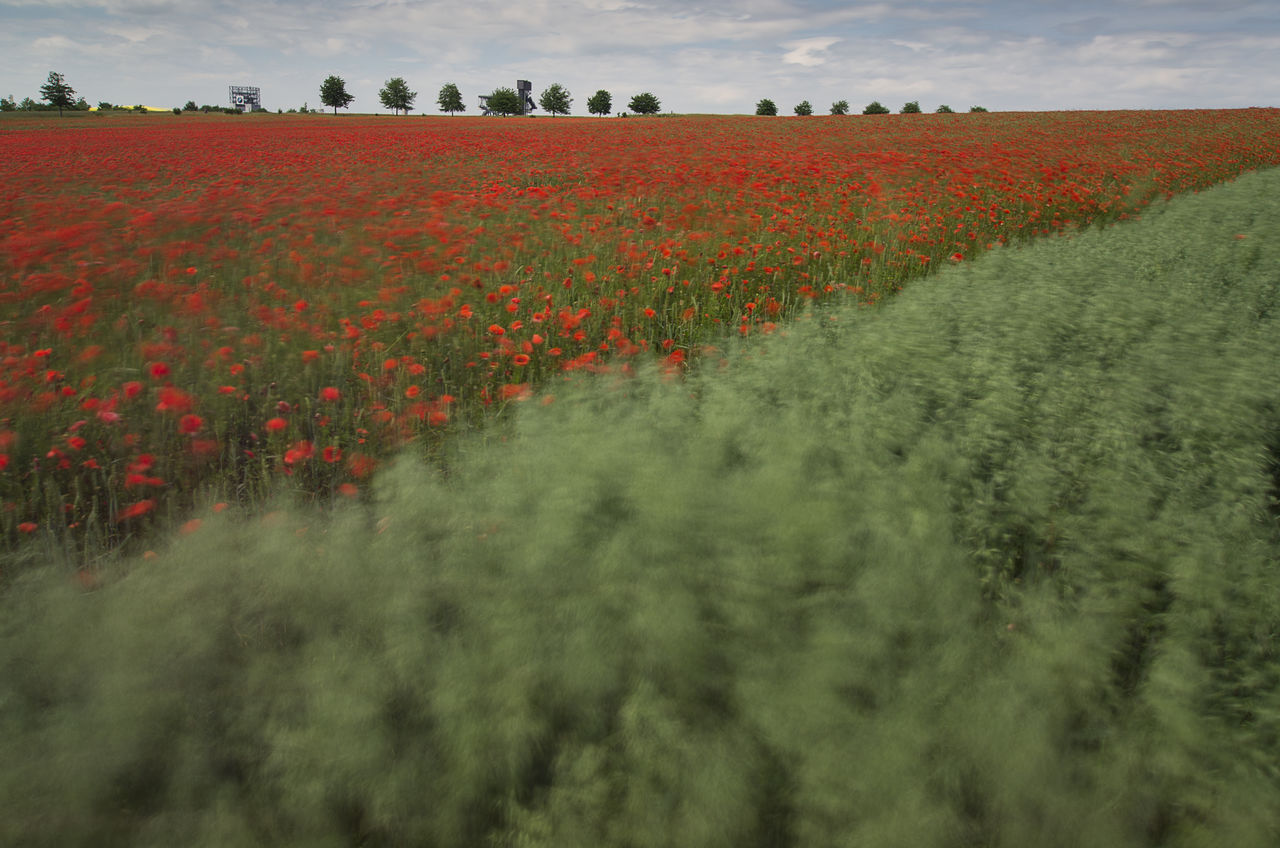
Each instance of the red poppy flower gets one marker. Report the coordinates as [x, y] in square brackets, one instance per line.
[137, 509]
[277, 424]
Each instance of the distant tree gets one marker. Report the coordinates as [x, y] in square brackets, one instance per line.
[766, 107]
[944, 109]
[57, 93]
[8, 104]
[505, 101]
[874, 108]
[645, 104]
[840, 107]
[555, 100]
[978, 109]
[81, 105]
[912, 108]
[450, 99]
[600, 103]
[27, 105]
[803, 108]
[190, 107]
[396, 96]
[333, 92]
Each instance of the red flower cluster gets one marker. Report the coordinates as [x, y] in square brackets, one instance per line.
[233, 298]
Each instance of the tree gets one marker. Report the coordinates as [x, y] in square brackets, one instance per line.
[505, 101]
[396, 96]
[8, 104]
[944, 109]
[333, 92]
[840, 107]
[874, 108]
[803, 108]
[57, 92]
[912, 108]
[450, 99]
[645, 104]
[600, 103]
[977, 108]
[555, 100]
[190, 107]
[765, 106]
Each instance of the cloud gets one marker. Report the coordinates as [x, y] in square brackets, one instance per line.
[713, 55]
[805, 51]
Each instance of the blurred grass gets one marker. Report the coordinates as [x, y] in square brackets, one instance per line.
[994, 565]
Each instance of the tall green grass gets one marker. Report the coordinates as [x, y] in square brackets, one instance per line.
[995, 564]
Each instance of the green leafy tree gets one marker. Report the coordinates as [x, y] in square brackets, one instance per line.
[396, 96]
[505, 101]
[944, 109]
[190, 107]
[645, 104]
[555, 100]
[82, 105]
[8, 104]
[600, 103]
[978, 109]
[333, 92]
[840, 107]
[450, 99]
[912, 108]
[803, 108]
[56, 92]
[875, 108]
[27, 104]
[766, 107]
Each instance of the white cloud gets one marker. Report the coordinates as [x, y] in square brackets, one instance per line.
[713, 55]
[806, 51]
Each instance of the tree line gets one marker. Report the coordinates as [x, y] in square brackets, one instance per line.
[554, 100]
[399, 98]
[841, 107]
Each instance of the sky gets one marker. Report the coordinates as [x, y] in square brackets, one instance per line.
[716, 56]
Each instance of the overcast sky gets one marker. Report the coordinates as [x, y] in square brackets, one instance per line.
[712, 56]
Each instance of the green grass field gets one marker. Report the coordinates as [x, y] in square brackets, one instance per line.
[993, 564]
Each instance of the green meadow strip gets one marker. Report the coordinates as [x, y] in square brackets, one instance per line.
[993, 564]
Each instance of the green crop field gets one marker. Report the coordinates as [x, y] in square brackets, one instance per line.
[993, 563]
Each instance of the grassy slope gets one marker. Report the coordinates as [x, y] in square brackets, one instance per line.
[992, 565]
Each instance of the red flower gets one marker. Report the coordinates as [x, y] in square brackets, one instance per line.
[190, 424]
[330, 394]
[520, 359]
[132, 389]
[159, 370]
[28, 527]
[275, 425]
[332, 454]
[134, 510]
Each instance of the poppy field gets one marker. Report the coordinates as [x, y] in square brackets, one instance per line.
[993, 563]
[204, 309]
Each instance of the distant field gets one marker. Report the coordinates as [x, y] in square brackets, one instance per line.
[220, 304]
[992, 564]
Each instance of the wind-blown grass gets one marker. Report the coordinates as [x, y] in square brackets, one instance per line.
[994, 564]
